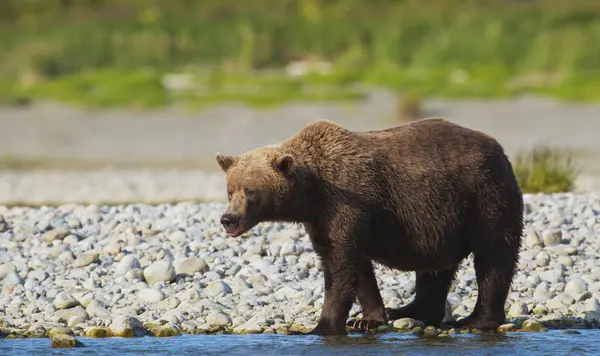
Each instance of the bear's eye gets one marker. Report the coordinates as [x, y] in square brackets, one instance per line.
[250, 193]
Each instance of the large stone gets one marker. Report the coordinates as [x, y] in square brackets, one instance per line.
[190, 265]
[64, 300]
[86, 260]
[159, 271]
[96, 332]
[407, 323]
[150, 295]
[167, 330]
[12, 279]
[128, 263]
[65, 341]
[126, 326]
[253, 326]
[56, 234]
[59, 331]
[575, 287]
[532, 325]
[178, 236]
[218, 319]
[6, 269]
[551, 237]
[532, 239]
[213, 289]
[518, 309]
[65, 315]
[507, 327]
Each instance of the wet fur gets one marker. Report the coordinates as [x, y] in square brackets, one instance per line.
[418, 197]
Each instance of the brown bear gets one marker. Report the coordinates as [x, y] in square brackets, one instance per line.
[417, 197]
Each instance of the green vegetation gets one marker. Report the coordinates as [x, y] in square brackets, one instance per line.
[115, 52]
[545, 170]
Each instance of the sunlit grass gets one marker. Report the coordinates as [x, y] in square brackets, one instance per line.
[545, 169]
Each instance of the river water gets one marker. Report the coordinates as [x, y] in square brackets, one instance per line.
[554, 342]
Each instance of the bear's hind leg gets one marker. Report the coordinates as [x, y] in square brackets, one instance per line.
[370, 300]
[494, 270]
[431, 291]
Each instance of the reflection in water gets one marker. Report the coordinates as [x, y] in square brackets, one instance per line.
[552, 342]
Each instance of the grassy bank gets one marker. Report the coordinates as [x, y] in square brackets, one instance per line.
[115, 53]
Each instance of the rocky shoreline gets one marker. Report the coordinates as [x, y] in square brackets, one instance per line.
[166, 270]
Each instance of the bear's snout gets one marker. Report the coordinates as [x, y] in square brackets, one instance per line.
[233, 224]
[228, 220]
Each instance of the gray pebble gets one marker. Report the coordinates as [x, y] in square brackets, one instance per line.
[127, 264]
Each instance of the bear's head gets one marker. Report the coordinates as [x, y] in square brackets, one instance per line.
[262, 184]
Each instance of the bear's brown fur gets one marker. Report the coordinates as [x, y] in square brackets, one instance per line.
[418, 197]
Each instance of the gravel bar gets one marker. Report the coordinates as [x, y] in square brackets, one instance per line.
[110, 186]
[164, 270]
[149, 186]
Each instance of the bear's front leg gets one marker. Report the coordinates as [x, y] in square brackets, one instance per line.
[370, 300]
[340, 268]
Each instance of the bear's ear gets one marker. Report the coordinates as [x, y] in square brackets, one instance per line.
[284, 163]
[225, 161]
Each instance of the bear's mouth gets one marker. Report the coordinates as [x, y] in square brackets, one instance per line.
[235, 231]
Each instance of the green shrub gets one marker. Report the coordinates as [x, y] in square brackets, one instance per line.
[545, 169]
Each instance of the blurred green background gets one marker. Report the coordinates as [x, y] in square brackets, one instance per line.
[142, 53]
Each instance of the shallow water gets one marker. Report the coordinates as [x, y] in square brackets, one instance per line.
[552, 342]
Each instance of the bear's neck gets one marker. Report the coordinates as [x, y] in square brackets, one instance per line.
[309, 202]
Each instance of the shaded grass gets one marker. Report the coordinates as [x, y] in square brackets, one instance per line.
[545, 169]
[109, 88]
[144, 88]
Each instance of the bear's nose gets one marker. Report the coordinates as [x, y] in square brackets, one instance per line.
[228, 220]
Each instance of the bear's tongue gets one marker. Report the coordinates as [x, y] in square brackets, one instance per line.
[235, 232]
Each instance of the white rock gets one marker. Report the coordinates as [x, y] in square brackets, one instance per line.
[6, 269]
[126, 326]
[532, 239]
[551, 237]
[518, 309]
[218, 319]
[190, 265]
[178, 236]
[150, 295]
[215, 288]
[575, 287]
[64, 300]
[159, 271]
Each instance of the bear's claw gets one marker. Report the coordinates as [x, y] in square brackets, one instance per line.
[362, 325]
